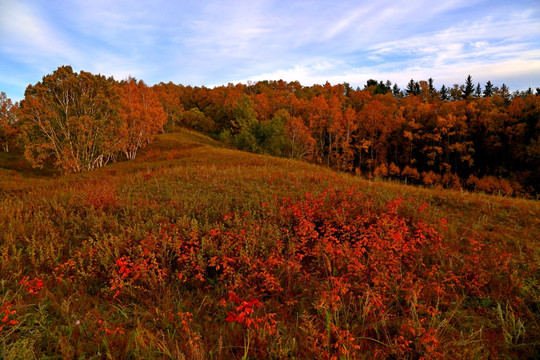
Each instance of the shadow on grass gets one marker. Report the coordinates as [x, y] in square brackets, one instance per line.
[16, 164]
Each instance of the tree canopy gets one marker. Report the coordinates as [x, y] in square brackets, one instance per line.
[460, 136]
[81, 121]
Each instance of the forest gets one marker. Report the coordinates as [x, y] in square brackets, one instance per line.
[466, 136]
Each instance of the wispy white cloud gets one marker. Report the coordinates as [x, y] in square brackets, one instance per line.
[28, 37]
[312, 41]
[229, 31]
[498, 72]
[491, 48]
[515, 28]
[487, 46]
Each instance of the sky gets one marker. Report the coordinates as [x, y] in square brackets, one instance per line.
[212, 42]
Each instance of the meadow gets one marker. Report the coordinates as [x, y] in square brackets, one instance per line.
[197, 251]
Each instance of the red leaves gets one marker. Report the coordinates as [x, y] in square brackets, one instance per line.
[346, 275]
[245, 313]
[6, 316]
[107, 329]
[31, 286]
[242, 313]
[348, 249]
[143, 269]
[124, 267]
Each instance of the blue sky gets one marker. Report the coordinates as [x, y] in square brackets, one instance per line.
[216, 42]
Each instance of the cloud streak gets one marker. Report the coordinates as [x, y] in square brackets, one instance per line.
[211, 43]
[26, 36]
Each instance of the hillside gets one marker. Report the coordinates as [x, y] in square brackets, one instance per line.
[194, 251]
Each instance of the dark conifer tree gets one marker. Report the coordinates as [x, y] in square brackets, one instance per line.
[431, 87]
[371, 82]
[348, 88]
[444, 93]
[396, 91]
[411, 88]
[378, 87]
[505, 93]
[469, 87]
[488, 89]
[417, 88]
[478, 92]
[381, 88]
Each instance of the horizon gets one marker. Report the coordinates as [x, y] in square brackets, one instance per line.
[312, 42]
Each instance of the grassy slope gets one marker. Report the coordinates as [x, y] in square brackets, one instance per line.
[70, 231]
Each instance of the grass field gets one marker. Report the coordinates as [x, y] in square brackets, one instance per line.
[197, 251]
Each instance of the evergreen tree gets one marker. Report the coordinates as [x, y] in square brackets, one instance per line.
[381, 88]
[431, 87]
[378, 87]
[396, 91]
[348, 88]
[488, 89]
[411, 88]
[371, 82]
[505, 93]
[444, 93]
[469, 87]
[417, 88]
[478, 92]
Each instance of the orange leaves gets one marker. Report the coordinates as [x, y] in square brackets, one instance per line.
[143, 116]
[82, 121]
[70, 118]
[8, 131]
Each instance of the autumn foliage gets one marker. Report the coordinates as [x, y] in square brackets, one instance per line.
[142, 114]
[453, 138]
[72, 119]
[8, 130]
[426, 137]
[81, 121]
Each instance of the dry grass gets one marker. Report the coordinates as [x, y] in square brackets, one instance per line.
[139, 259]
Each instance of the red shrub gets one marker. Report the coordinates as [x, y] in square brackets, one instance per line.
[6, 316]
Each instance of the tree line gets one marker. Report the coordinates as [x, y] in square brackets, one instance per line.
[465, 136]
